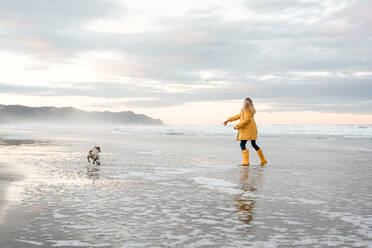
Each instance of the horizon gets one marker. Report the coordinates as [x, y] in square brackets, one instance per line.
[191, 63]
[215, 124]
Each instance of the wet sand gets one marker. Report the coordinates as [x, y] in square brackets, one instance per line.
[7, 176]
[187, 191]
[4, 184]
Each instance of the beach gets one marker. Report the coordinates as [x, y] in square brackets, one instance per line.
[7, 176]
[182, 187]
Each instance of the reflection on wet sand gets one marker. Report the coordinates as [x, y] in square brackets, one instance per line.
[245, 203]
[93, 173]
[18, 142]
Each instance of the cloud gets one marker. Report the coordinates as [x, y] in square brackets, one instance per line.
[44, 14]
[272, 6]
[342, 93]
[52, 30]
[273, 51]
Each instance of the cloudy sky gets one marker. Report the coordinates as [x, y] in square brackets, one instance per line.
[191, 62]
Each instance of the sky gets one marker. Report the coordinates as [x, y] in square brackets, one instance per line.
[191, 62]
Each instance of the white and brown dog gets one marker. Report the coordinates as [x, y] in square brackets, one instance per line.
[94, 155]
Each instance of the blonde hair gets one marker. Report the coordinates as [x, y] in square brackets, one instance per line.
[248, 105]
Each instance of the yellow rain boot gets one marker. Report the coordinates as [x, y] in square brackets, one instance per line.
[263, 160]
[245, 157]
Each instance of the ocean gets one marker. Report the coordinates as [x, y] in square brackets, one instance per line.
[181, 186]
[310, 131]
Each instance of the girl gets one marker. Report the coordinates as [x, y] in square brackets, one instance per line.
[247, 130]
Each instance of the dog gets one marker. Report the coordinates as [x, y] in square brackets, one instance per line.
[94, 155]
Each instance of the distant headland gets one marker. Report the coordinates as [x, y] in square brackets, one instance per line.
[68, 115]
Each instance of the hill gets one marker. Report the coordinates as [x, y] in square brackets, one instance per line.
[69, 115]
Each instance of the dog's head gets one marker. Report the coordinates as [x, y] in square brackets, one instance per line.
[98, 148]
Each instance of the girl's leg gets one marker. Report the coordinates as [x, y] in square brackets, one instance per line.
[255, 146]
[242, 144]
[259, 152]
[245, 153]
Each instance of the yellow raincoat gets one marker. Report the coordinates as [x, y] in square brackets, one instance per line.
[246, 126]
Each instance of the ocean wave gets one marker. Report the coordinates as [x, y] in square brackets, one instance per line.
[359, 132]
[315, 132]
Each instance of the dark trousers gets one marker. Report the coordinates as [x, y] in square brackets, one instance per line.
[253, 143]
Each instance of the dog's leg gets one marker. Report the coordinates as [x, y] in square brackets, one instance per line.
[88, 158]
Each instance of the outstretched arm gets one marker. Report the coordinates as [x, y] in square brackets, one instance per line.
[232, 118]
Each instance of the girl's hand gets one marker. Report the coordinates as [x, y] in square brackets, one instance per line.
[224, 123]
[236, 127]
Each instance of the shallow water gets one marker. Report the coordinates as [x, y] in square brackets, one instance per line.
[157, 190]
